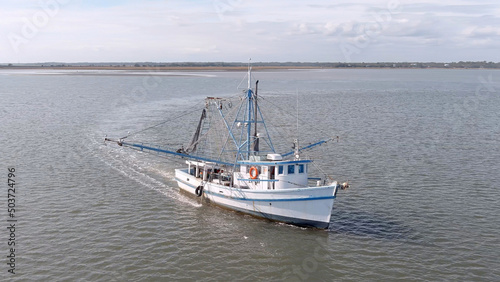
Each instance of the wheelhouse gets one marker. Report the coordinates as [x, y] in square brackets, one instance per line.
[272, 173]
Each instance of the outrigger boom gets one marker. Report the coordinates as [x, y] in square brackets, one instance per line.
[178, 153]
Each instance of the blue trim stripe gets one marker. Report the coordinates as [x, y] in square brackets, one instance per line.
[271, 200]
[273, 162]
[260, 180]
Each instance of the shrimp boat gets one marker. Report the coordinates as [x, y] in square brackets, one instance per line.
[247, 174]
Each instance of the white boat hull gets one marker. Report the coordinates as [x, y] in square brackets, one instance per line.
[309, 206]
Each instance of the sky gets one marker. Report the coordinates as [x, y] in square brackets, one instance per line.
[236, 30]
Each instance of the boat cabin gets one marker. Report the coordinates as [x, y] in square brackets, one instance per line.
[271, 173]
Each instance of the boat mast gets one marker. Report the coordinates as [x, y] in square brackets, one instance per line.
[249, 101]
[248, 116]
[255, 115]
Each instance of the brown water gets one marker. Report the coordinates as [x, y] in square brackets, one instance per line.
[419, 147]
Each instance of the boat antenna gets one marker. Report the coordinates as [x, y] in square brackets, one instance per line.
[249, 73]
[296, 141]
[297, 93]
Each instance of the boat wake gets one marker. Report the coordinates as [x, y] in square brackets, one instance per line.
[141, 172]
[154, 184]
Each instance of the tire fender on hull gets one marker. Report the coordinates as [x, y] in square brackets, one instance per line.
[199, 191]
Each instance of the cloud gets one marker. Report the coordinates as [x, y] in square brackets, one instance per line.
[482, 31]
[449, 9]
[233, 30]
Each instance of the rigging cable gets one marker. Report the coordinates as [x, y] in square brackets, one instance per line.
[322, 131]
[163, 122]
[286, 133]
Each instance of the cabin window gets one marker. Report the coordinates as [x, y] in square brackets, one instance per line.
[291, 169]
[301, 168]
[280, 169]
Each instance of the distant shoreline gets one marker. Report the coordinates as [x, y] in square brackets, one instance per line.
[150, 68]
[239, 66]
[220, 68]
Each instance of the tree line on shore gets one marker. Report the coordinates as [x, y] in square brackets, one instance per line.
[454, 65]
